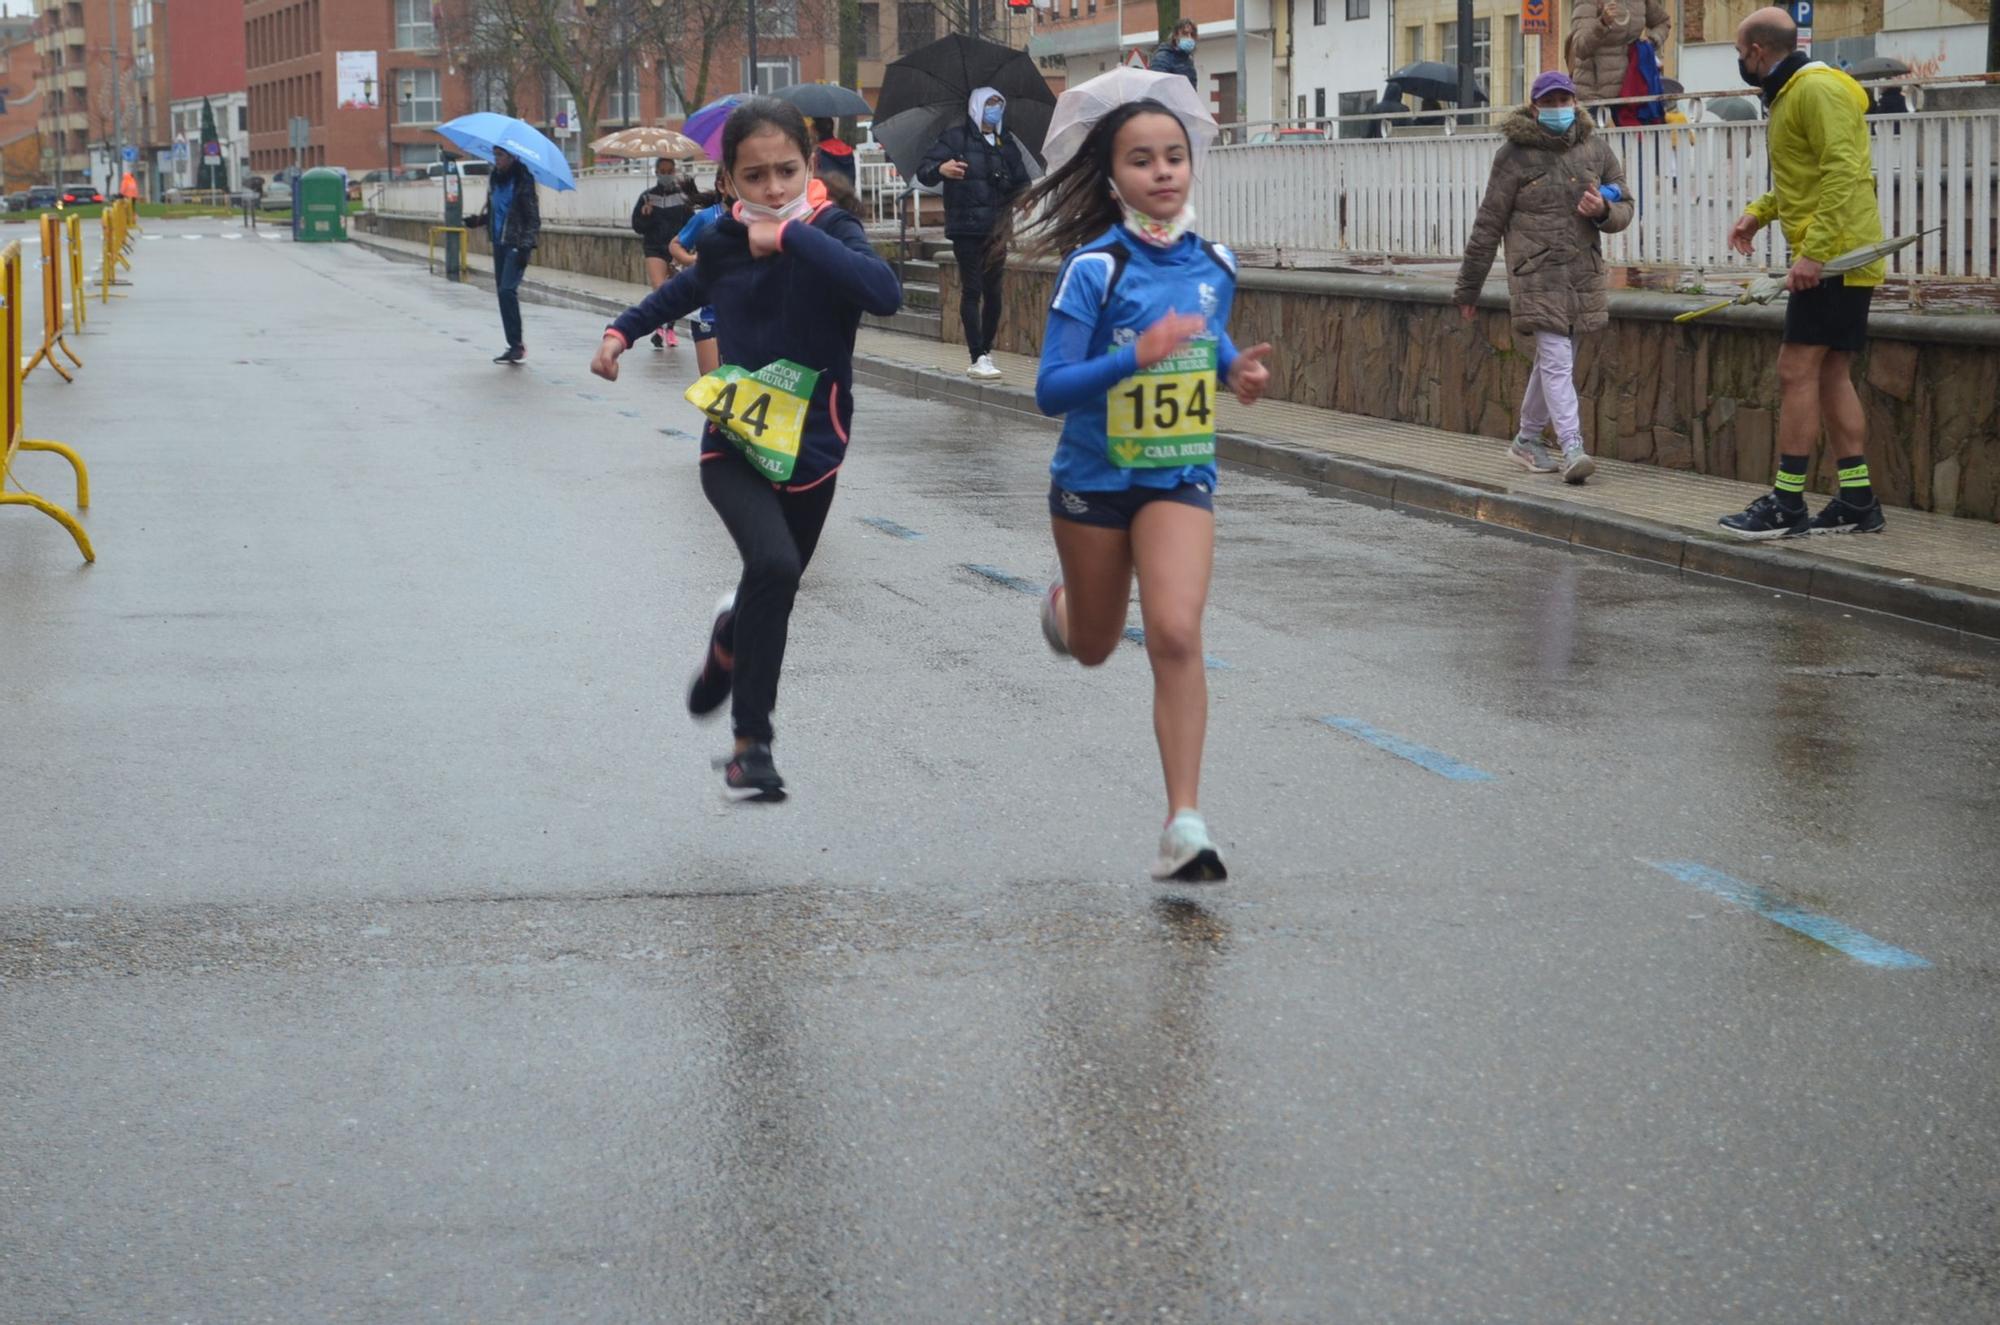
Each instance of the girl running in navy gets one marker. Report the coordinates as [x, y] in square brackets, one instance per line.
[789, 276]
[1135, 347]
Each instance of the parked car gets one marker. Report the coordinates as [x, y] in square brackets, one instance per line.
[277, 197]
[1292, 136]
[18, 202]
[41, 196]
[80, 195]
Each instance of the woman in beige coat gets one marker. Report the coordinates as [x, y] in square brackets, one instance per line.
[1601, 33]
[1555, 187]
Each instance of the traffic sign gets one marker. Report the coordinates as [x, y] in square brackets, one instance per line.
[180, 149]
[1802, 13]
[131, 154]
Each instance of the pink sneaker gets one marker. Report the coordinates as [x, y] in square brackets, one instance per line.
[673, 341]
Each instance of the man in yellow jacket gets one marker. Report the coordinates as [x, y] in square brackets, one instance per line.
[1824, 198]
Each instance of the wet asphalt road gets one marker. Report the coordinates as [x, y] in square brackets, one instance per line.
[374, 944]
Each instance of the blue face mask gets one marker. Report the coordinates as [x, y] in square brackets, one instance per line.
[1557, 121]
[1186, 44]
[991, 115]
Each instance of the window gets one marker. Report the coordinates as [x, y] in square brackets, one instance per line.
[671, 106]
[1516, 61]
[417, 98]
[418, 154]
[1414, 47]
[1482, 55]
[870, 37]
[778, 18]
[1356, 9]
[1319, 103]
[776, 72]
[625, 95]
[1356, 103]
[489, 90]
[242, 119]
[415, 30]
[1319, 12]
[916, 25]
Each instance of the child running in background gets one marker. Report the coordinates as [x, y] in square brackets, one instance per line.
[681, 248]
[1135, 342]
[789, 276]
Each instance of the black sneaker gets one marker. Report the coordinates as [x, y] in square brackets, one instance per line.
[751, 776]
[659, 341]
[512, 354]
[1843, 517]
[711, 683]
[1766, 518]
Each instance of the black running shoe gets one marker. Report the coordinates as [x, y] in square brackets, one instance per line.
[659, 341]
[1843, 517]
[512, 354]
[711, 683]
[751, 776]
[1766, 518]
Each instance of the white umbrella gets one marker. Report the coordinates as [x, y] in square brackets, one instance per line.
[1079, 109]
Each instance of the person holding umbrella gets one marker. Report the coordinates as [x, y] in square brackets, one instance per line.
[512, 218]
[982, 170]
[657, 217]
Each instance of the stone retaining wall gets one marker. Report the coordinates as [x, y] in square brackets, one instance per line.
[1700, 396]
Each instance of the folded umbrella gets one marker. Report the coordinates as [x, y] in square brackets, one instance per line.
[483, 131]
[1772, 284]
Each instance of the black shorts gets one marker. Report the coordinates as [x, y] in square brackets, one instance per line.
[1114, 510]
[660, 253]
[1830, 314]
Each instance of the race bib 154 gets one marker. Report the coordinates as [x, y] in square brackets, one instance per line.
[1163, 417]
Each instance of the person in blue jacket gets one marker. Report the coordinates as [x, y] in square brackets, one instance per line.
[1136, 347]
[1175, 55]
[789, 276]
[681, 248]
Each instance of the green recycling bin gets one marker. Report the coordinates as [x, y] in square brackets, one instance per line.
[322, 204]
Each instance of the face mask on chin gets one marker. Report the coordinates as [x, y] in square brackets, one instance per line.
[796, 209]
[1158, 233]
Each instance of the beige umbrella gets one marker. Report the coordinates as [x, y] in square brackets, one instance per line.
[647, 141]
[1772, 284]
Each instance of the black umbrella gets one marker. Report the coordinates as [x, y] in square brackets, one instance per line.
[1879, 66]
[926, 91]
[1432, 80]
[827, 101]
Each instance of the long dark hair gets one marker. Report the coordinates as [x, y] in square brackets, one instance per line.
[758, 114]
[1075, 203]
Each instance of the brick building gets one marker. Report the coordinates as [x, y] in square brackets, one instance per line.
[84, 118]
[20, 128]
[205, 65]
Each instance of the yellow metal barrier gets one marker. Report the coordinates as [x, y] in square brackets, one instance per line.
[54, 231]
[464, 247]
[79, 302]
[10, 330]
[113, 241]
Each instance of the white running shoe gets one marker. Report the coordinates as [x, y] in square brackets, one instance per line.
[1187, 855]
[1577, 464]
[1051, 624]
[984, 368]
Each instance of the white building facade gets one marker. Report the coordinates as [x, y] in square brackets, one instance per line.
[1341, 51]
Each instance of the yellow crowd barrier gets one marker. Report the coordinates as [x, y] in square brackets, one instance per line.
[55, 233]
[10, 328]
[114, 251]
[79, 302]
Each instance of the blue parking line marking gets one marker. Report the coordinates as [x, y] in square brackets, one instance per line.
[890, 527]
[1208, 660]
[1422, 756]
[1002, 578]
[1865, 948]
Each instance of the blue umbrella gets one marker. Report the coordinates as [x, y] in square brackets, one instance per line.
[705, 125]
[482, 131]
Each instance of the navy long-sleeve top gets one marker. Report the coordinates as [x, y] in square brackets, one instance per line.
[803, 303]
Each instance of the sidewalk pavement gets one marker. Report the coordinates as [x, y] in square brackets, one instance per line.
[1940, 570]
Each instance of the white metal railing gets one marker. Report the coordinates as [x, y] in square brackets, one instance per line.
[1417, 197]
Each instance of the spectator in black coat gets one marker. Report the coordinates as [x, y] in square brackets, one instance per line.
[657, 217]
[983, 169]
[1175, 55]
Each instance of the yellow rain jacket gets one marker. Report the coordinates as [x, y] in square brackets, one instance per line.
[1823, 170]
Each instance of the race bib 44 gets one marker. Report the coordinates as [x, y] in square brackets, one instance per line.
[763, 413]
[1163, 417]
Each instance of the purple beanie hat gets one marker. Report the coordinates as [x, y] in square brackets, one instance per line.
[1555, 80]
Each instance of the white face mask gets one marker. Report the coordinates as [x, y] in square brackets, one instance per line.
[795, 210]
[1158, 233]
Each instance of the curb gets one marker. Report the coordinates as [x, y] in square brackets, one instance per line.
[1957, 608]
[1954, 607]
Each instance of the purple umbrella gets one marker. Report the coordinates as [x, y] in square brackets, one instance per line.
[705, 125]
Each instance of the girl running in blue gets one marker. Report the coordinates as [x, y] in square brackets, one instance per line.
[682, 249]
[789, 276]
[1135, 348]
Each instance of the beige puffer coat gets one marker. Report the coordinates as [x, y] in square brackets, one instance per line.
[1599, 33]
[1555, 263]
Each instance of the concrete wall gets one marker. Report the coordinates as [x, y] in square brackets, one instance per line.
[1701, 396]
